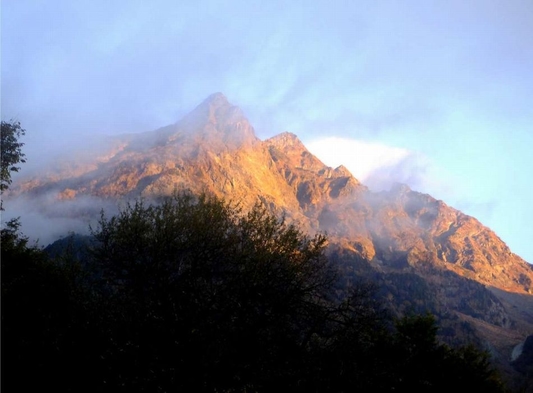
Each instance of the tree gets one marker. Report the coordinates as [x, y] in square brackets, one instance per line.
[212, 298]
[205, 297]
[12, 154]
[421, 363]
[46, 328]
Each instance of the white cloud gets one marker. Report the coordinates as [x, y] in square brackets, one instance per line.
[378, 166]
[363, 159]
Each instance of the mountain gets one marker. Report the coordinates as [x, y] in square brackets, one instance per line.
[423, 254]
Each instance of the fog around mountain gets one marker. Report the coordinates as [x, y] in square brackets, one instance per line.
[449, 82]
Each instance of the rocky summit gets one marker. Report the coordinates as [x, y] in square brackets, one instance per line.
[422, 253]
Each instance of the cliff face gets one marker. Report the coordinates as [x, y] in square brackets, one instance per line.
[214, 149]
[398, 232]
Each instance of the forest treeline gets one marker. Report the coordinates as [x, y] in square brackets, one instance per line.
[193, 294]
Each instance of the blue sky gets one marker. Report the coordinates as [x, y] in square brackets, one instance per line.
[440, 91]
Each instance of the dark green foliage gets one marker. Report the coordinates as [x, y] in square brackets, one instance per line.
[11, 152]
[73, 246]
[243, 296]
[425, 365]
[44, 318]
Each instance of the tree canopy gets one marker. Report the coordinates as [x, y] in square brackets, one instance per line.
[243, 295]
[12, 153]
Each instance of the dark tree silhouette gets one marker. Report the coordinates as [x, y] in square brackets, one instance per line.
[213, 299]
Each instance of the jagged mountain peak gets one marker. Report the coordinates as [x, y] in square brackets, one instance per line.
[399, 188]
[287, 141]
[215, 109]
[291, 148]
[216, 99]
[216, 124]
[341, 170]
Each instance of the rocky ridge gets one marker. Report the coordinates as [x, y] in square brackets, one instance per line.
[464, 265]
[215, 149]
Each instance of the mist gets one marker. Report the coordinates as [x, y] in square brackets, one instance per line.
[448, 84]
[45, 219]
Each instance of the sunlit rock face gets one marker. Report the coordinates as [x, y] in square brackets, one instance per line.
[214, 148]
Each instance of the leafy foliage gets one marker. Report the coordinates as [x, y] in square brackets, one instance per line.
[44, 317]
[427, 366]
[240, 294]
[12, 153]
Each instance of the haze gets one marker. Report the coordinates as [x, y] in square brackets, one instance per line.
[437, 95]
